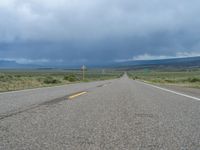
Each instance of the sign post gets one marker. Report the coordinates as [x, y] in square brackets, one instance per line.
[83, 71]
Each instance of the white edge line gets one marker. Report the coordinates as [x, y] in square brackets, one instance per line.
[167, 90]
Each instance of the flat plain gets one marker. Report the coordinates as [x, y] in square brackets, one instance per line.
[12, 80]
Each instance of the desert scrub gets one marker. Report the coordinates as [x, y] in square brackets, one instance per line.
[194, 79]
[25, 79]
[5, 78]
[178, 77]
[51, 80]
[135, 77]
[71, 77]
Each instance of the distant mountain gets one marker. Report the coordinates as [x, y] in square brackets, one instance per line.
[8, 64]
[5, 64]
[193, 62]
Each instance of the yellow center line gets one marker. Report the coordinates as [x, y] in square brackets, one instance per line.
[76, 95]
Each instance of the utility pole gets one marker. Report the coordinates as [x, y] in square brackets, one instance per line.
[83, 71]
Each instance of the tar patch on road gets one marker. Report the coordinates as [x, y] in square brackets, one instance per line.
[47, 103]
[54, 101]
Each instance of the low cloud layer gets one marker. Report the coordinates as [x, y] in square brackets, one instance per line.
[177, 55]
[97, 31]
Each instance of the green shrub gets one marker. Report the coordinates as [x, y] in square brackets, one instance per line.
[18, 76]
[51, 80]
[169, 81]
[194, 79]
[70, 77]
[5, 78]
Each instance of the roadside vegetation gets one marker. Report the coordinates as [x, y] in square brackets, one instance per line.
[11, 80]
[185, 77]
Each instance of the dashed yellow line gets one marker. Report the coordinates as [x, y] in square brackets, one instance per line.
[76, 95]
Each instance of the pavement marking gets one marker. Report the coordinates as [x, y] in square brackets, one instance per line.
[103, 85]
[167, 90]
[76, 95]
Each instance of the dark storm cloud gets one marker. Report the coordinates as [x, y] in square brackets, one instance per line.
[95, 31]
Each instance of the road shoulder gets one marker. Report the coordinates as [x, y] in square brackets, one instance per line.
[194, 92]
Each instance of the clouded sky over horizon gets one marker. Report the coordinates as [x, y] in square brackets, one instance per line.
[97, 31]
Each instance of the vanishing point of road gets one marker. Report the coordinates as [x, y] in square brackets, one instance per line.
[119, 114]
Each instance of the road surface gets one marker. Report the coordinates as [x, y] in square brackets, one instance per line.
[117, 114]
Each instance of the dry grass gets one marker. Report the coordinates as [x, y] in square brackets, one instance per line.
[17, 80]
[186, 78]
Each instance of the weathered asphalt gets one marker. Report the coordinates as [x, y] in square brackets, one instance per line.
[19, 100]
[118, 114]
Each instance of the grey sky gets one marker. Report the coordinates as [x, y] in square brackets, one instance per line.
[98, 31]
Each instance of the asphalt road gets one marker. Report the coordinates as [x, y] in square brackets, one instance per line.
[116, 114]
